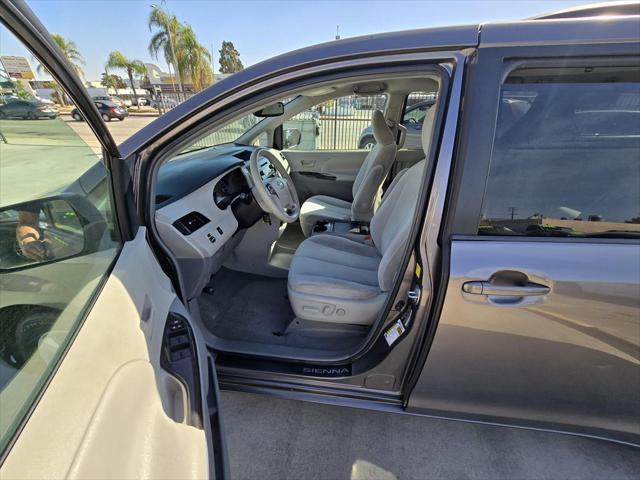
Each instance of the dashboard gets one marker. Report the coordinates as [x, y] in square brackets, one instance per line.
[202, 199]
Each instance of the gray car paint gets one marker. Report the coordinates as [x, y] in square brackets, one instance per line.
[515, 373]
[451, 38]
[556, 32]
[565, 360]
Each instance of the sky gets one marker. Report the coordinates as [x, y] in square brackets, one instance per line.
[258, 29]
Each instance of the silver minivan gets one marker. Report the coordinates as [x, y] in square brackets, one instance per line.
[489, 273]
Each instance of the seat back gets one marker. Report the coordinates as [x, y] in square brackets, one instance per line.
[374, 169]
[391, 224]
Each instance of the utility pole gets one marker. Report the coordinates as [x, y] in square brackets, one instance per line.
[337, 32]
[513, 211]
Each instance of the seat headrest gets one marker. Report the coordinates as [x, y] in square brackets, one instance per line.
[427, 130]
[381, 132]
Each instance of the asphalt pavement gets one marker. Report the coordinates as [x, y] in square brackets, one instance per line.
[120, 130]
[271, 438]
[39, 157]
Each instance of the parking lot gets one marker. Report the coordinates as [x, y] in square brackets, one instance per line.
[119, 130]
[271, 438]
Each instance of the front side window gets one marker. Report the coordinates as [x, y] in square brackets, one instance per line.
[342, 123]
[566, 156]
[57, 241]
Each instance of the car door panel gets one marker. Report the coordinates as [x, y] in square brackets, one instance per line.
[325, 172]
[534, 358]
[99, 410]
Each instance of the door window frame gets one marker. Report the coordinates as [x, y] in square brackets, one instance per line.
[274, 88]
[470, 168]
[472, 165]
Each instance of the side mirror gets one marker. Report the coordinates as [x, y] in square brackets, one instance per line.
[48, 230]
[274, 110]
[292, 138]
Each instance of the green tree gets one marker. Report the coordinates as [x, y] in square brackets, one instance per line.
[72, 54]
[167, 28]
[110, 80]
[229, 58]
[22, 92]
[118, 60]
[70, 51]
[193, 58]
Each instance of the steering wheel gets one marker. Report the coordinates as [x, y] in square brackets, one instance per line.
[275, 194]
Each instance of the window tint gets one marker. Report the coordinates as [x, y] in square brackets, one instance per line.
[566, 157]
[57, 242]
[339, 124]
[417, 106]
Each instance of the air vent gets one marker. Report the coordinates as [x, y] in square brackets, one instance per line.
[190, 223]
[243, 155]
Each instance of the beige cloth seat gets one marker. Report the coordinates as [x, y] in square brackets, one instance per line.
[347, 279]
[366, 186]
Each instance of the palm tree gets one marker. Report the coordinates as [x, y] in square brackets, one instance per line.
[72, 54]
[118, 60]
[193, 58]
[168, 28]
[70, 51]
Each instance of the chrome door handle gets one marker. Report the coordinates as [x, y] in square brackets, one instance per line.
[488, 288]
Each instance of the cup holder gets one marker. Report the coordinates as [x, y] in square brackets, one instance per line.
[322, 227]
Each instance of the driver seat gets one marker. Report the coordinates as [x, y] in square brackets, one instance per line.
[366, 186]
[347, 278]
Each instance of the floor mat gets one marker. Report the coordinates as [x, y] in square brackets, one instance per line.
[248, 307]
[254, 308]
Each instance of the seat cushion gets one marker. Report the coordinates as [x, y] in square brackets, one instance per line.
[321, 207]
[335, 279]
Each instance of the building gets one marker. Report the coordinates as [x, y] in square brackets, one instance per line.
[159, 80]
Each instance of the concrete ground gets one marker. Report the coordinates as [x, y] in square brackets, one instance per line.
[120, 131]
[43, 156]
[270, 438]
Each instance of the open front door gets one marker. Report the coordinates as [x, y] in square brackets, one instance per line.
[101, 373]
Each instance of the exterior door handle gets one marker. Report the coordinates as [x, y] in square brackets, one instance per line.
[488, 288]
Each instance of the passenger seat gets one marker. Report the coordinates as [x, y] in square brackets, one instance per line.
[366, 186]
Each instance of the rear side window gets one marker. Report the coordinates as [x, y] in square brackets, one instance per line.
[566, 155]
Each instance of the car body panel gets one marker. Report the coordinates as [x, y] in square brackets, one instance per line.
[568, 360]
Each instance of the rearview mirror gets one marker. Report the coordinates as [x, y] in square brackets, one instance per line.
[274, 110]
[48, 230]
[292, 138]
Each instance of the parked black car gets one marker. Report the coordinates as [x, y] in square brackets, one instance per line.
[27, 110]
[107, 112]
